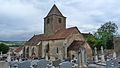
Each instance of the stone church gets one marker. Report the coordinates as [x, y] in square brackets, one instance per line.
[57, 42]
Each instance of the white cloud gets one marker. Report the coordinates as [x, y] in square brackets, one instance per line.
[25, 17]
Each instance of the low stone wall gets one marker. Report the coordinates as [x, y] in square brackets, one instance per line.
[4, 64]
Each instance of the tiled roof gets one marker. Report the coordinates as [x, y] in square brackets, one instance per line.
[19, 49]
[76, 44]
[61, 34]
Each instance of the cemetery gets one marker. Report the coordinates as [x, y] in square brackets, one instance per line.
[79, 62]
[61, 47]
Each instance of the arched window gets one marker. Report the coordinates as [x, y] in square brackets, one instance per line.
[33, 51]
[47, 48]
[48, 20]
[59, 20]
[23, 52]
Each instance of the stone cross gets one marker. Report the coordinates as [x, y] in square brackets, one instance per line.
[8, 57]
[46, 56]
[95, 56]
[1, 54]
[114, 55]
[102, 55]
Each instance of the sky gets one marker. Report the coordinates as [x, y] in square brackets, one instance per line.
[21, 19]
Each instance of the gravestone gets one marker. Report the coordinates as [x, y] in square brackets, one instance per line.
[8, 57]
[102, 54]
[4, 64]
[13, 64]
[114, 55]
[56, 63]
[34, 63]
[95, 55]
[65, 65]
[24, 64]
[42, 63]
[112, 64]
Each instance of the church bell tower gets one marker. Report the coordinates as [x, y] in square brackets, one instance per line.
[54, 21]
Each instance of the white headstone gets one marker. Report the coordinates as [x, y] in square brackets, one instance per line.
[46, 56]
[102, 55]
[114, 55]
[96, 56]
[1, 54]
[8, 57]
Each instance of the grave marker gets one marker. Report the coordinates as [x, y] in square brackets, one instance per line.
[66, 65]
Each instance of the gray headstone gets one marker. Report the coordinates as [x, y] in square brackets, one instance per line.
[66, 65]
[13, 64]
[42, 63]
[56, 63]
[112, 64]
[34, 62]
[4, 64]
[24, 64]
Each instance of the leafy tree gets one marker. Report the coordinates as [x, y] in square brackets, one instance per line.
[92, 41]
[4, 48]
[105, 34]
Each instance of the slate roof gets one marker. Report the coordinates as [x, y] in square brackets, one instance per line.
[60, 34]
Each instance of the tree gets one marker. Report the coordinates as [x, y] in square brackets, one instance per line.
[3, 48]
[105, 34]
[92, 41]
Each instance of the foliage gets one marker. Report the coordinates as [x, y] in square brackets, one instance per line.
[14, 45]
[91, 40]
[105, 35]
[4, 48]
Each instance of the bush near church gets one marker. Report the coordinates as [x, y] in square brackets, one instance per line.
[4, 48]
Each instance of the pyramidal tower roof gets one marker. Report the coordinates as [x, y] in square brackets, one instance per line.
[54, 11]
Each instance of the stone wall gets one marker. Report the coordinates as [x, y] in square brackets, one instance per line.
[53, 25]
[56, 49]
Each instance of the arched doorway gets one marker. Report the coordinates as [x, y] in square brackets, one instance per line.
[47, 51]
[23, 52]
[27, 52]
[33, 52]
[73, 48]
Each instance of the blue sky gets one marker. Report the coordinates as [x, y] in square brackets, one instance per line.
[21, 19]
